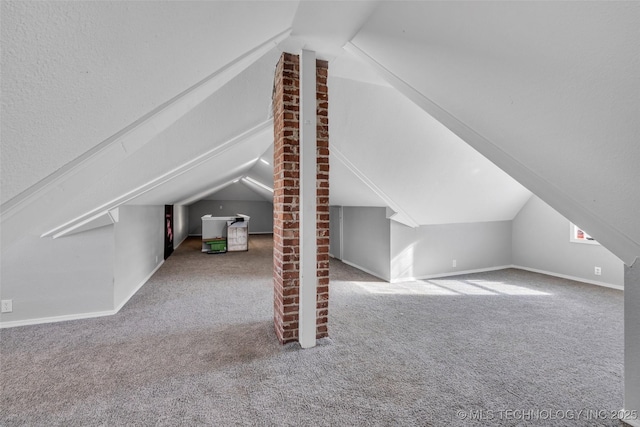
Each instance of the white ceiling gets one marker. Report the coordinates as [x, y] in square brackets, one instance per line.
[76, 73]
[237, 191]
[432, 175]
[551, 90]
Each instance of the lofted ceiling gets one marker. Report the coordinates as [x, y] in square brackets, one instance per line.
[435, 107]
[550, 92]
[76, 73]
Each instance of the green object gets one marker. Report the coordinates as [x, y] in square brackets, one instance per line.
[217, 246]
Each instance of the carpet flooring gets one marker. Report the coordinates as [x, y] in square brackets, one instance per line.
[196, 346]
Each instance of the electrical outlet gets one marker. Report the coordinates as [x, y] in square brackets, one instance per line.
[454, 263]
[7, 306]
[598, 271]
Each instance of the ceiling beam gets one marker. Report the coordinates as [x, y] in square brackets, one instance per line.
[263, 127]
[75, 174]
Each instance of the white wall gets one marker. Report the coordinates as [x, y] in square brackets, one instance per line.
[541, 243]
[335, 231]
[139, 242]
[56, 279]
[632, 339]
[552, 99]
[92, 273]
[180, 224]
[261, 213]
[429, 250]
[366, 239]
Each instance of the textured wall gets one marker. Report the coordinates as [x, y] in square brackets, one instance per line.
[76, 73]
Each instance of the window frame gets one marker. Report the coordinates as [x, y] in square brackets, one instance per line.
[574, 233]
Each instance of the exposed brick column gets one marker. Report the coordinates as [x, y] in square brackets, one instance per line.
[286, 199]
[322, 96]
[286, 203]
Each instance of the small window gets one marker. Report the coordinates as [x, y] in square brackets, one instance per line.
[578, 235]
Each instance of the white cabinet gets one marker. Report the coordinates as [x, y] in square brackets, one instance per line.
[238, 234]
[235, 229]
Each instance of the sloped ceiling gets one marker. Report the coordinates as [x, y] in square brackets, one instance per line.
[218, 140]
[549, 89]
[237, 191]
[421, 166]
[76, 73]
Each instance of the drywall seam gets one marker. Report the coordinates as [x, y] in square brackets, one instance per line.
[450, 274]
[615, 240]
[168, 176]
[144, 129]
[400, 215]
[566, 276]
[366, 270]
[140, 285]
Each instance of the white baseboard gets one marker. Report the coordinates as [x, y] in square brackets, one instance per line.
[366, 270]
[54, 319]
[450, 274]
[78, 316]
[574, 278]
[137, 288]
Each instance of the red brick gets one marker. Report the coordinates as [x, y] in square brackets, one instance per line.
[286, 254]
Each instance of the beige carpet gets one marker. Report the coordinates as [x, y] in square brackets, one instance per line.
[196, 346]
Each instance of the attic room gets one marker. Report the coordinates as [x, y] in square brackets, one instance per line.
[482, 184]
